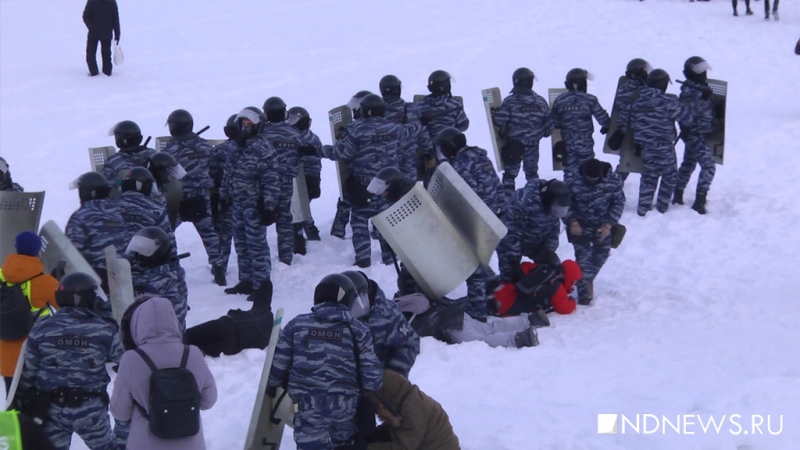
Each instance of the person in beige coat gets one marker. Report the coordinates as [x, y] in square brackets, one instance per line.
[411, 419]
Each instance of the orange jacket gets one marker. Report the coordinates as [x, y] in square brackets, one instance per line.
[17, 269]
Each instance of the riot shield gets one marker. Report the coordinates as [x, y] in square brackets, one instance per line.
[173, 195]
[161, 142]
[628, 162]
[339, 117]
[58, 252]
[555, 138]
[19, 211]
[431, 248]
[716, 139]
[120, 282]
[493, 99]
[99, 155]
[481, 229]
[418, 97]
[301, 205]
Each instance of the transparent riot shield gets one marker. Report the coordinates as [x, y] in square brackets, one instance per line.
[480, 228]
[120, 282]
[301, 205]
[431, 248]
[339, 117]
[58, 252]
[99, 155]
[493, 99]
[716, 139]
[19, 211]
[555, 137]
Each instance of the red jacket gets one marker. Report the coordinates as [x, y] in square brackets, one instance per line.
[506, 296]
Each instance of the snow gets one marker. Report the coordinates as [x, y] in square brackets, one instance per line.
[693, 314]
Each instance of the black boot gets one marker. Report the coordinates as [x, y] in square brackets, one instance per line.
[262, 297]
[677, 197]
[538, 319]
[219, 275]
[312, 233]
[299, 240]
[527, 338]
[700, 203]
[244, 288]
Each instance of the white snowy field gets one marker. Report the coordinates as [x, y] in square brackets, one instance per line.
[694, 316]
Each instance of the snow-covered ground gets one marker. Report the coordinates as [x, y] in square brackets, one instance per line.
[694, 315]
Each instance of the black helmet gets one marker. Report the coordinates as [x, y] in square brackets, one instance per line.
[439, 82]
[151, 246]
[390, 87]
[637, 69]
[392, 182]
[126, 134]
[275, 109]
[355, 103]
[138, 179]
[658, 78]
[230, 129]
[372, 106]
[76, 289]
[335, 288]
[450, 141]
[164, 168]
[299, 117]
[254, 115]
[594, 171]
[361, 283]
[180, 122]
[523, 77]
[91, 186]
[696, 69]
[576, 79]
[556, 197]
[5, 176]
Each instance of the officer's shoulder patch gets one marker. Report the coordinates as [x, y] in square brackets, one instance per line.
[325, 333]
[70, 341]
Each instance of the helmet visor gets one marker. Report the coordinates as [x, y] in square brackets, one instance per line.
[293, 118]
[177, 172]
[701, 67]
[589, 76]
[360, 306]
[377, 186]
[74, 184]
[113, 129]
[559, 211]
[354, 103]
[248, 114]
[142, 245]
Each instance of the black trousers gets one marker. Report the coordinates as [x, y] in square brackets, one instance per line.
[736, 2]
[774, 7]
[91, 54]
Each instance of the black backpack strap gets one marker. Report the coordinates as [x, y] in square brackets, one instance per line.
[146, 359]
[185, 356]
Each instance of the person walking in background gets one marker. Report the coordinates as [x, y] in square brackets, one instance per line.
[749, 11]
[774, 10]
[101, 18]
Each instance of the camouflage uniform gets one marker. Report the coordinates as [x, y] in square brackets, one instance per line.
[139, 211]
[193, 153]
[319, 373]
[285, 139]
[167, 281]
[652, 117]
[343, 207]
[438, 112]
[592, 206]
[524, 117]
[93, 227]
[696, 149]
[572, 114]
[396, 343]
[220, 155]
[124, 160]
[312, 164]
[532, 230]
[475, 167]
[622, 101]
[69, 350]
[370, 144]
[250, 181]
[402, 112]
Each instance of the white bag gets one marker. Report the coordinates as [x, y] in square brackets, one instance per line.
[119, 57]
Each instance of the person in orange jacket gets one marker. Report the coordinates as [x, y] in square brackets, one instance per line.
[25, 268]
[545, 290]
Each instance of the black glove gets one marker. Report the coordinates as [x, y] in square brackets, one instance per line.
[312, 185]
[493, 110]
[637, 151]
[307, 150]
[707, 93]
[512, 152]
[616, 139]
[341, 133]
[603, 130]
[59, 270]
[560, 152]
[267, 216]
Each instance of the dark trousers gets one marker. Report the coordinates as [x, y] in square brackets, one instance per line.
[91, 54]
[736, 3]
[774, 7]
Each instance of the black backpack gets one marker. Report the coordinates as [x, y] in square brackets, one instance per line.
[16, 317]
[174, 400]
[537, 287]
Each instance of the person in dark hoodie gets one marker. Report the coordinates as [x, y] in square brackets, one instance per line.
[102, 19]
[411, 419]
